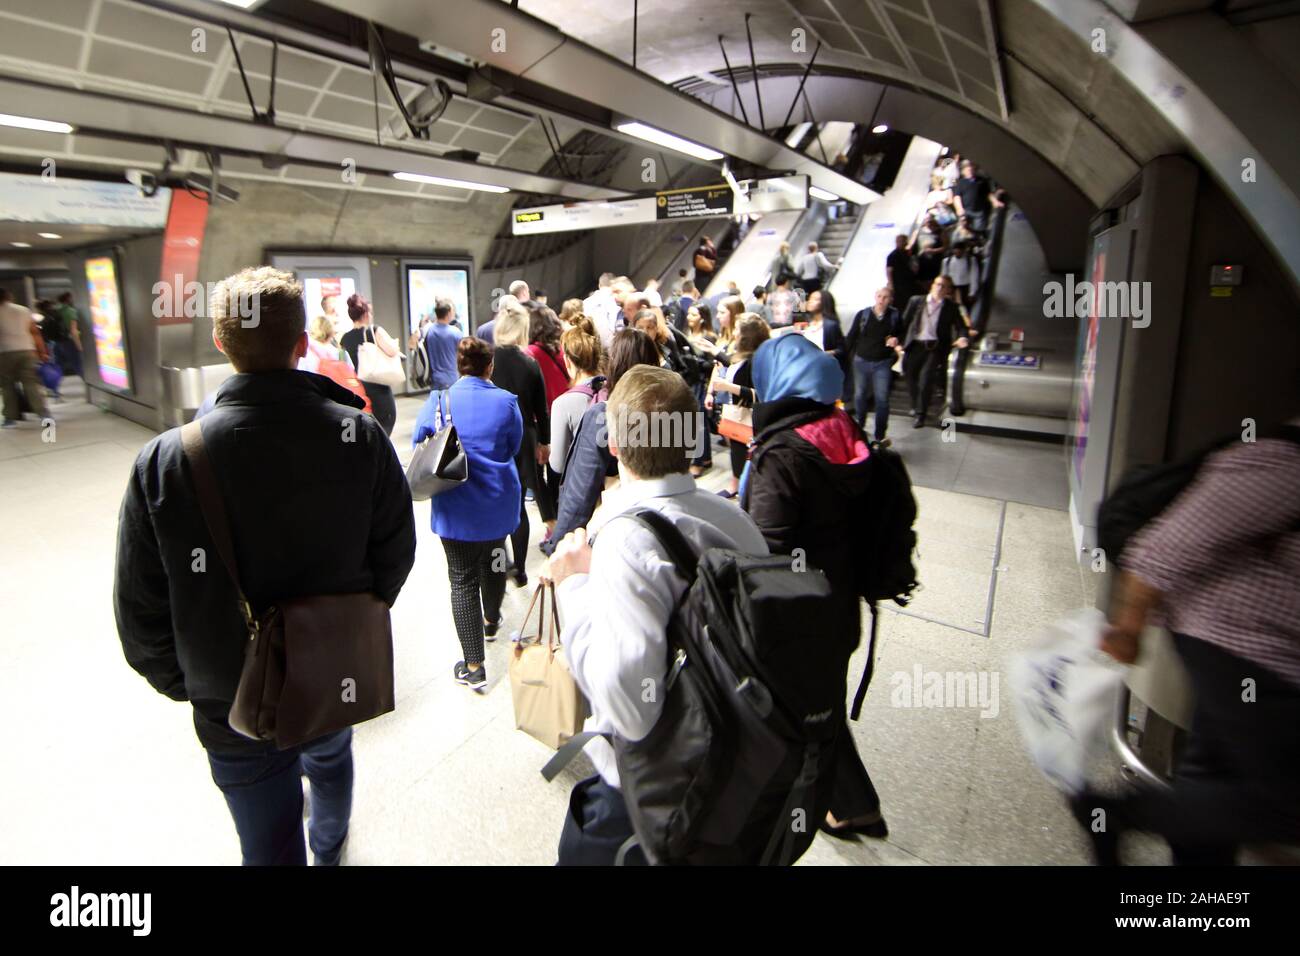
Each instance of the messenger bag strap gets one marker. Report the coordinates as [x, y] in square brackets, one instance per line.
[214, 510]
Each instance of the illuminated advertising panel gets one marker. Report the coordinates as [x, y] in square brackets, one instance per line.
[106, 320]
[425, 284]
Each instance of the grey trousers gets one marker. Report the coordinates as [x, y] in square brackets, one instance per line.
[21, 367]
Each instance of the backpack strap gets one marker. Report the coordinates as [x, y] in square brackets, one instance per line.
[680, 552]
[568, 750]
[870, 667]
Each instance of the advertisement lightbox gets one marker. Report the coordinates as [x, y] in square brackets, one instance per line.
[106, 320]
[426, 282]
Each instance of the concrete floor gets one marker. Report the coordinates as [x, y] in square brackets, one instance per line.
[102, 770]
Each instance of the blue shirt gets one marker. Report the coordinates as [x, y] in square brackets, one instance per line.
[490, 429]
[440, 341]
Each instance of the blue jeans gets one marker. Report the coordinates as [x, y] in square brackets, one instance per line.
[264, 793]
[878, 376]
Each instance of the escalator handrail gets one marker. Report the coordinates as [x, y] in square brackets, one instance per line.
[993, 253]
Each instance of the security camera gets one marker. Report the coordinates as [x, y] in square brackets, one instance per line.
[144, 181]
[416, 117]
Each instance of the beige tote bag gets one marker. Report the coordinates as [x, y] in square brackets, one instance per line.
[548, 704]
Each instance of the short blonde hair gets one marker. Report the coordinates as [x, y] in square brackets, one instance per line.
[511, 327]
[321, 329]
[655, 421]
[258, 317]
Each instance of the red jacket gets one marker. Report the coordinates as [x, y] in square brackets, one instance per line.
[554, 372]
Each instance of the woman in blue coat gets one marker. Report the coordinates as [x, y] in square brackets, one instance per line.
[473, 519]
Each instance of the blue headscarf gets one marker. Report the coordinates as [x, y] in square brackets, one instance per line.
[789, 366]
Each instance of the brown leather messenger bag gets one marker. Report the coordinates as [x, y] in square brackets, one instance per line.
[312, 665]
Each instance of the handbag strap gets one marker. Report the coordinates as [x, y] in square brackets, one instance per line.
[213, 507]
[553, 635]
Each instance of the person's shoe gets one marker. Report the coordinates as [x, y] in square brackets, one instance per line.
[918, 421]
[528, 494]
[726, 493]
[1105, 843]
[474, 679]
[883, 442]
[519, 577]
[876, 829]
[9, 423]
[490, 629]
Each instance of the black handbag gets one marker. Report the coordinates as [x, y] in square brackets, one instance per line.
[439, 463]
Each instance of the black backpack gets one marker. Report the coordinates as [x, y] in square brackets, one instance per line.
[51, 326]
[738, 767]
[1147, 490]
[883, 521]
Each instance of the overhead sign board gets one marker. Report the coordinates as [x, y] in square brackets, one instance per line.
[696, 202]
[25, 198]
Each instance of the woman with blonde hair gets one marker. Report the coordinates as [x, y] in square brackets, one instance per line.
[782, 265]
[735, 383]
[584, 357]
[518, 373]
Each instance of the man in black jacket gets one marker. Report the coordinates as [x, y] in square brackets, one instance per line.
[317, 504]
[872, 340]
[934, 325]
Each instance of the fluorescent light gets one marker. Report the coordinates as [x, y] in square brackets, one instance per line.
[824, 194]
[944, 151]
[668, 140]
[26, 122]
[452, 183]
[882, 128]
[49, 235]
[21, 245]
[242, 4]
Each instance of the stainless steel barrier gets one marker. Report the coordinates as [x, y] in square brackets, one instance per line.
[183, 389]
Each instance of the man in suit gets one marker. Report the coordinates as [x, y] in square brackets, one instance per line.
[934, 325]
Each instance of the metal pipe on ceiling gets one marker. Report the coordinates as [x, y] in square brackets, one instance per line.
[124, 118]
[530, 53]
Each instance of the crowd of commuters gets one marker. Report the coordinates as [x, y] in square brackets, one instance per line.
[538, 401]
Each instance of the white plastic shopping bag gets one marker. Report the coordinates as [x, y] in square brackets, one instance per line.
[1064, 690]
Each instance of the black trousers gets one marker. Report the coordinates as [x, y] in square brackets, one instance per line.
[853, 794]
[384, 405]
[1239, 779]
[739, 455]
[477, 573]
[596, 826]
[923, 367]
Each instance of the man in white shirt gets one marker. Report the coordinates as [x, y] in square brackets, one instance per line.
[812, 267]
[603, 310]
[18, 360]
[964, 270]
[618, 594]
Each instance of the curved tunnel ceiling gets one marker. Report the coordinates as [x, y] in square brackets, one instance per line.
[1025, 69]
